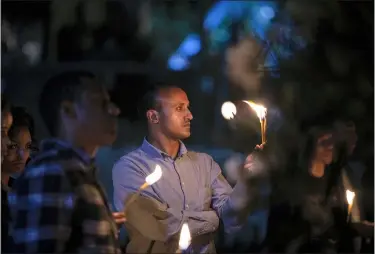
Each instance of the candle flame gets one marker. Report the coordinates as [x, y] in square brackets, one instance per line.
[350, 196]
[259, 109]
[185, 237]
[154, 176]
[228, 110]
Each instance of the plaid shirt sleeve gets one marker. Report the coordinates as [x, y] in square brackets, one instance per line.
[99, 230]
[42, 208]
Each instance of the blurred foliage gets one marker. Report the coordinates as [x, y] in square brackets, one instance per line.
[171, 26]
[333, 76]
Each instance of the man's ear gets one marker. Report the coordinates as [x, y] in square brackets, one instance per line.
[152, 116]
[68, 110]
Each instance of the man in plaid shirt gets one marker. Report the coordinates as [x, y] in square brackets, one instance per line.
[58, 205]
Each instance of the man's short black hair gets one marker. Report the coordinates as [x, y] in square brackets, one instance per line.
[149, 99]
[66, 86]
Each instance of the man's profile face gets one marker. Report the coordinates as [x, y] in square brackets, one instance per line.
[96, 114]
[174, 114]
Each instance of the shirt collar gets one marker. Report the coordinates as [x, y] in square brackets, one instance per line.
[155, 152]
[58, 144]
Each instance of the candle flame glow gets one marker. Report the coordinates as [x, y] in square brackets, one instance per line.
[228, 110]
[259, 109]
[154, 176]
[185, 238]
[350, 196]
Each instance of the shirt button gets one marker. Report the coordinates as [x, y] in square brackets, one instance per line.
[186, 206]
[183, 183]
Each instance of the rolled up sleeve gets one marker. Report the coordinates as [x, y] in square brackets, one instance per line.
[227, 202]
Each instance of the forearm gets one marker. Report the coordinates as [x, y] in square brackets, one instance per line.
[153, 219]
[241, 203]
[199, 222]
[231, 207]
[202, 222]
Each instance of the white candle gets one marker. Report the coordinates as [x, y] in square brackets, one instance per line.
[261, 113]
[350, 199]
[150, 180]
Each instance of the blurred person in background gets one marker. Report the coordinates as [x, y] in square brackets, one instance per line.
[20, 146]
[6, 123]
[18, 152]
[353, 171]
[319, 207]
[192, 188]
[346, 136]
[368, 204]
[304, 222]
[57, 205]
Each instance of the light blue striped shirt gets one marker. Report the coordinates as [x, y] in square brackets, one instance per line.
[189, 183]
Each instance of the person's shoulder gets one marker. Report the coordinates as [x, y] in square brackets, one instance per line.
[47, 168]
[131, 159]
[40, 183]
[203, 160]
[194, 155]
[48, 171]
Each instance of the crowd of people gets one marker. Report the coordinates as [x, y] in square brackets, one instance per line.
[52, 201]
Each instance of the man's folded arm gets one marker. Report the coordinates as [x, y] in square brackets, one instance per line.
[202, 222]
[127, 178]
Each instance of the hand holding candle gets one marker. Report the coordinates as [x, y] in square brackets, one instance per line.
[350, 199]
[150, 180]
[261, 113]
[185, 238]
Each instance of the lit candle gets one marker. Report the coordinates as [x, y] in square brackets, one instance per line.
[185, 238]
[150, 180]
[261, 113]
[350, 199]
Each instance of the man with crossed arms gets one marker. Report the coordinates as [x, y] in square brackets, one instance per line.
[192, 188]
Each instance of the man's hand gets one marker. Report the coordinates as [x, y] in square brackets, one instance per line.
[368, 223]
[119, 218]
[250, 160]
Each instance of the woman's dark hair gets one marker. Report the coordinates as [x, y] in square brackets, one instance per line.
[5, 105]
[21, 119]
[307, 152]
[309, 144]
